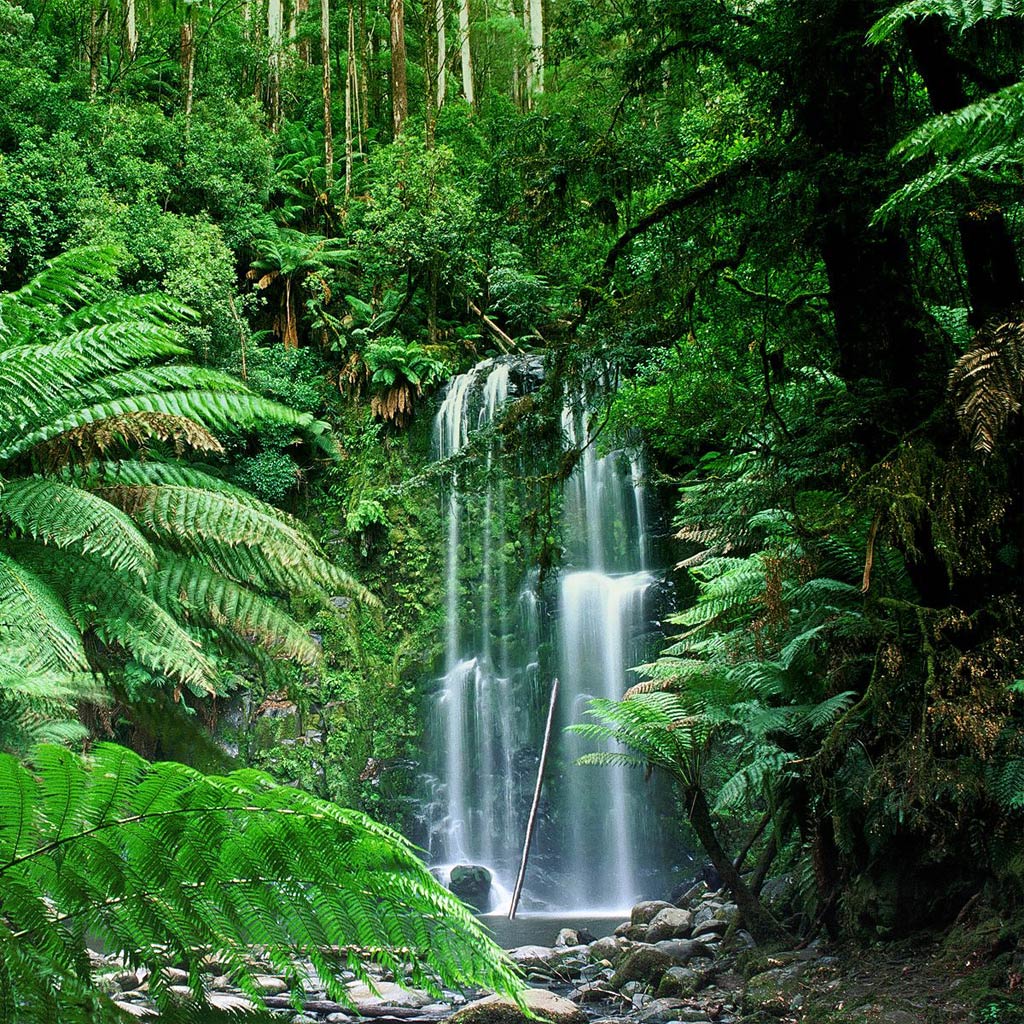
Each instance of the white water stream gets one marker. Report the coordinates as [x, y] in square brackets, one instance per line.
[596, 841]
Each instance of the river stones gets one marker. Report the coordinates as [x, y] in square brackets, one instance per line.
[681, 982]
[500, 1010]
[710, 929]
[609, 948]
[387, 993]
[682, 951]
[642, 963]
[644, 913]
[670, 923]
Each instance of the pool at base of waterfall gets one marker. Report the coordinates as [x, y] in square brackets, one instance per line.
[543, 929]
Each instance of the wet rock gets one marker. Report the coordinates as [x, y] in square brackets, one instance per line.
[567, 937]
[710, 928]
[609, 948]
[661, 1011]
[472, 884]
[644, 963]
[230, 1001]
[644, 913]
[386, 993]
[682, 951]
[590, 992]
[270, 985]
[499, 1010]
[635, 932]
[532, 956]
[773, 991]
[670, 923]
[681, 982]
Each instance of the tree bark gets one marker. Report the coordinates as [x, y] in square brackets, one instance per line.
[467, 53]
[442, 52]
[131, 29]
[758, 921]
[399, 87]
[275, 37]
[536, 46]
[325, 58]
[188, 59]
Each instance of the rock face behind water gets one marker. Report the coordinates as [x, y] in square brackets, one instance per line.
[472, 884]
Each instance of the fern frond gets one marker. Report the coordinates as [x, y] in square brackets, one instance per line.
[217, 411]
[35, 622]
[962, 13]
[57, 514]
[987, 384]
[166, 865]
[205, 598]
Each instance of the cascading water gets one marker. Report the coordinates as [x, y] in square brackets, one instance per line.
[597, 845]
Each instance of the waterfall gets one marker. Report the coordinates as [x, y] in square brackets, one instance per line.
[504, 639]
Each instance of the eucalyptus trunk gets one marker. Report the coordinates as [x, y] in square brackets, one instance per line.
[466, 51]
[442, 52]
[325, 59]
[188, 59]
[275, 37]
[131, 29]
[399, 87]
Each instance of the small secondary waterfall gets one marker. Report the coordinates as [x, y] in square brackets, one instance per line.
[597, 845]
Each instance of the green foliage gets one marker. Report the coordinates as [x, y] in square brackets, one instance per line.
[168, 866]
[962, 13]
[134, 554]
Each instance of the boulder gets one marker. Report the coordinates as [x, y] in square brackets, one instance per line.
[472, 884]
[387, 993]
[772, 992]
[661, 1011]
[710, 928]
[270, 985]
[646, 964]
[501, 1010]
[533, 956]
[670, 923]
[682, 951]
[644, 913]
[681, 982]
[609, 948]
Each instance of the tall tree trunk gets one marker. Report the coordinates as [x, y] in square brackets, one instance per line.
[529, 58]
[429, 78]
[325, 59]
[466, 51]
[442, 52]
[399, 88]
[131, 29]
[188, 59]
[364, 82]
[990, 258]
[758, 921]
[275, 39]
[299, 8]
[537, 45]
[351, 94]
[99, 21]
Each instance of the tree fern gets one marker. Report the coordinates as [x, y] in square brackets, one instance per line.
[961, 13]
[987, 384]
[63, 516]
[85, 387]
[168, 866]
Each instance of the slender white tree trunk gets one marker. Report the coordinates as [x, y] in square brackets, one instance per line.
[188, 59]
[325, 57]
[442, 52]
[399, 87]
[275, 37]
[536, 72]
[467, 54]
[131, 30]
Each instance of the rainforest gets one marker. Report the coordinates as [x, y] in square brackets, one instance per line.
[511, 510]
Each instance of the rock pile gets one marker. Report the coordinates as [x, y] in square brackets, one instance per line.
[668, 963]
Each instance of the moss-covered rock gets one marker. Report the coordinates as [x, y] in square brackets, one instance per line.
[643, 963]
[501, 1010]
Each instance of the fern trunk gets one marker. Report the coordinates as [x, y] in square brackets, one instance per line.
[758, 920]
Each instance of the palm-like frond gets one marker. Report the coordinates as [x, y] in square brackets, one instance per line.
[168, 866]
[200, 596]
[35, 621]
[57, 514]
[987, 384]
[961, 13]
